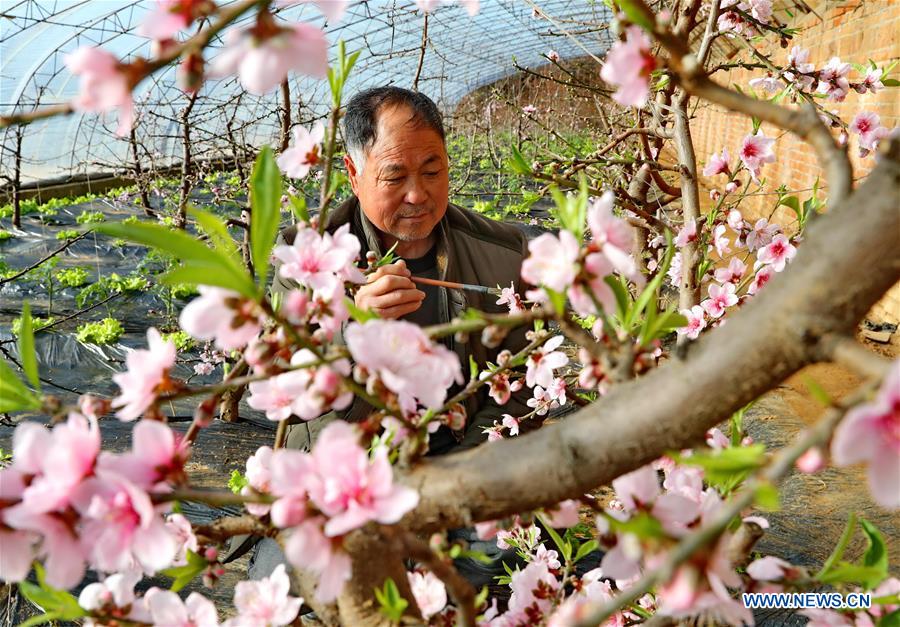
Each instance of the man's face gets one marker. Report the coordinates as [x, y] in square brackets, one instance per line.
[403, 188]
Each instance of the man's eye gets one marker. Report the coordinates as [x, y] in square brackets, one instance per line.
[392, 181]
[432, 173]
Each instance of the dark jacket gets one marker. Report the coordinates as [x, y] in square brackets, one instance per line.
[470, 249]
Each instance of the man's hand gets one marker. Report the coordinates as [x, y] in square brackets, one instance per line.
[389, 292]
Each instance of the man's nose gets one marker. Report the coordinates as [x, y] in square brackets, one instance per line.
[415, 192]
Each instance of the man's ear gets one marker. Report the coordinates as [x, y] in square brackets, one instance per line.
[352, 174]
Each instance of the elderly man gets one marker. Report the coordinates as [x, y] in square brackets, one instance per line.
[399, 171]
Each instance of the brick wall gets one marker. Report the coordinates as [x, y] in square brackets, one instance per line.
[855, 31]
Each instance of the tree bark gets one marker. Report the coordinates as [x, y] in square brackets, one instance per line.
[848, 260]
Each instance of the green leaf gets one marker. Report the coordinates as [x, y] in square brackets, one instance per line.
[721, 466]
[817, 392]
[890, 82]
[473, 368]
[623, 296]
[584, 549]
[203, 273]
[237, 481]
[217, 231]
[26, 348]
[557, 299]
[265, 211]
[360, 315]
[890, 620]
[767, 497]
[392, 604]
[876, 555]
[182, 575]
[636, 14]
[561, 544]
[643, 525]
[59, 603]
[838, 552]
[14, 396]
[517, 163]
[298, 207]
[853, 573]
[185, 248]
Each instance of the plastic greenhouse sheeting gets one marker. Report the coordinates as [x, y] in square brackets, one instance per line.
[463, 53]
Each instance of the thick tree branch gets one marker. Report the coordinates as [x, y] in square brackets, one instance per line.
[850, 258]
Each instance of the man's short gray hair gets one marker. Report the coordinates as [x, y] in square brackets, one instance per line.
[361, 117]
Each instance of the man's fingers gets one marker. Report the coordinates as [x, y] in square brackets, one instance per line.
[386, 284]
[392, 313]
[396, 298]
[396, 269]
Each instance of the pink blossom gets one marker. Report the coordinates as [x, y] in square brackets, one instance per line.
[510, 298]
[167, 608]
[170, 17]
[733, 273]
[471, 6]
[639, 487]
[146, 377]
[585, 296]
[761, 235]
[265, 603]
[756, 151]
[303, 153]
[761, 10]
[120, 527]
[511, 423]
[762, 277]
[533, 588]
[872, 81]
[321, 262]
[406, 361]
[276, 395]
[553, 55]
[557, 391]
[614, 236]
[564, 514]
[769, 84]
[720, 242]
[67, 455]
[221, 315]
[115, 596]
[308, 547]
[156, 459]
[357, 490]
[628, 66]
[181, 529]
[833, 80]
[686, 234]
[720, 298]
[769, 568]
[674, 272]
[529, 109]
[262, 63]
[696, 322]
[811, 461]
[870, 433]
[735, 221]
[259, 477]
[16, 546]
[429, 592]
[333, 10]
[543, 361]
[718, 164]
[777, 253]
[717, 440]
[104, 85]
[552, 261]
[499, 386]
[798, 61]
[540, 401]
[868, 126]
